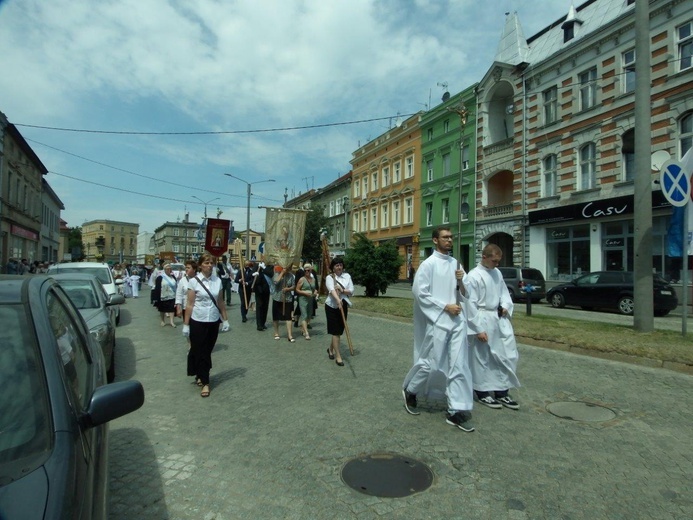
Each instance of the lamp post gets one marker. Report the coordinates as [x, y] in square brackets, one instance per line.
[205, 203]
[247, 216]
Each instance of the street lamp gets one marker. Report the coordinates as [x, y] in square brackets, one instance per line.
[247, 230]
[205, 203]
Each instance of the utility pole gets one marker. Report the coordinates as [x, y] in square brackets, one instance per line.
[643, 314]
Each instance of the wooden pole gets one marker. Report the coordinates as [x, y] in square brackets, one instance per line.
[245, 295]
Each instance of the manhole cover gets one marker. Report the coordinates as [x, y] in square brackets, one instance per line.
[387, 475]
[581, 411]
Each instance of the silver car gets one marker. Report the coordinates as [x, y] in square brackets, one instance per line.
[98, 310]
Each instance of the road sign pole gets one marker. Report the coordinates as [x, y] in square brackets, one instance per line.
[684, 278]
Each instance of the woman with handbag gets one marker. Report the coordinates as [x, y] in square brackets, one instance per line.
[204, 310]
[165, 295]
[307, 290]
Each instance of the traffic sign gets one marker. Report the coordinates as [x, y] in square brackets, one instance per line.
[676, 183]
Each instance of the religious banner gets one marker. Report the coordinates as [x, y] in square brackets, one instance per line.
[284, 233]
[217, 239]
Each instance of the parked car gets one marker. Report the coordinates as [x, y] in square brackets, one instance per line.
[97, 309]
[519, 278]
[611, 290]
[102, 271]
[55, 405]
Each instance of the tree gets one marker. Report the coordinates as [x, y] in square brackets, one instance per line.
[374, 267]
[74, 241]
[316, 221]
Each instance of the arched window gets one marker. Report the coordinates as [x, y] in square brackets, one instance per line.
[588, 166]
[686, 133]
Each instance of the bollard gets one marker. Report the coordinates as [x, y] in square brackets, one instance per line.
[528, 289]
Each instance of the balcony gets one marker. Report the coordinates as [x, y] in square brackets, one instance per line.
[498, 146]
[497, 210]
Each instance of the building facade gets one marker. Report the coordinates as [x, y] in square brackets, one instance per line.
[238, 247]
[184, 239]
[448, 164]
[51, 205]
[555, 172]
[335, 200]
[110, 241]
[385, 196]
[21, 177]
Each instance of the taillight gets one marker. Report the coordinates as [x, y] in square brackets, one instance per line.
[521, 284]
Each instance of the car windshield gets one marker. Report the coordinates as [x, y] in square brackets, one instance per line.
[81, 293]
[24, 411]
[101, 273]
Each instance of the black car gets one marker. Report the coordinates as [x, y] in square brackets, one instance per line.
[97, 308]
[610, 290]
[522, 281]
[54, 407]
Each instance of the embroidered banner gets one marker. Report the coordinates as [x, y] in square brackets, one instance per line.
[217, 238]
[284, 233]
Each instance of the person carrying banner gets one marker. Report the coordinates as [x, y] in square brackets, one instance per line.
[244, 279]
[339, 287]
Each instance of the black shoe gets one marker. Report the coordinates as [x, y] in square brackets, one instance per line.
[490, 402]
[330, 354]
[264, 328]
[244, 319]
[409, 402]
[339, 363]
[508, 402]
[260, 329]
[463, 420]
[309, 326]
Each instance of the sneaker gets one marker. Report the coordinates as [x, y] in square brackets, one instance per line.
[463, 420]
[508, 402]
[490, 402]
[409, 402]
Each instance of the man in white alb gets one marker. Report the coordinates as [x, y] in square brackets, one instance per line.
[441, 355]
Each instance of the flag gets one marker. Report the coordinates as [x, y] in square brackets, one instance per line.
[284, 233]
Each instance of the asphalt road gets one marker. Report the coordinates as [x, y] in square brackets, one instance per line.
[282, 421]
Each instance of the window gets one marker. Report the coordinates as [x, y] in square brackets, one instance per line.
[375, 181]
[331, 212]
[364, 217]
[397, 176]
[357, 189]
[409, 168]
[356, 222]
[253, 240]
[549, 165]
[176, 248]
[374, 218]
[386, 176]
[628, 154]
[409, 210]
[385, 216]
[446, 126]
[628, 60]
[429, 213]
[193, 249]
[685, 45]
[445, 206]
[72, 349]
[588, 166]
[686, 131]
[395, 213]
[176, 232]
[430, 134]
[364, 192]
[113, 250]
[588, 88]
[429, 171]
[550, 105]
[446, 164]
[465, 157]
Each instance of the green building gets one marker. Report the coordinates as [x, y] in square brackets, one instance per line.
[448, 154]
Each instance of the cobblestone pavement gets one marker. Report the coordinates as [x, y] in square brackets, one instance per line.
[282, 420]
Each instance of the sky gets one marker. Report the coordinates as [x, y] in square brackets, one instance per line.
[138, 109]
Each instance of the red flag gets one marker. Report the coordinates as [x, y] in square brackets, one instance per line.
[217, 239]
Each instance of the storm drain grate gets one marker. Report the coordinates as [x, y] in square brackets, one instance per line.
[581, 411]
[387, 475]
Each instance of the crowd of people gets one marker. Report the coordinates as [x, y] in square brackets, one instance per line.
[464, 344]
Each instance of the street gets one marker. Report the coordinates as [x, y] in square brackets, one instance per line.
[282, 420]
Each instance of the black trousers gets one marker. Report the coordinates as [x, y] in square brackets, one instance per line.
[261, 309]
[203, 337]
[248, 292]
[226, 289]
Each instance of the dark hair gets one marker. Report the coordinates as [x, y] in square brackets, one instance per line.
[192, 264]
[335, 261]
[436, 231]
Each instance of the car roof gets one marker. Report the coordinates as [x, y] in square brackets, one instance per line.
[79, 264]
[75, 276]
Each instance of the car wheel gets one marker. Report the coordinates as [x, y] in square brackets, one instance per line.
[118, 318]
[110, 373]
[557, 300]
[626, 305]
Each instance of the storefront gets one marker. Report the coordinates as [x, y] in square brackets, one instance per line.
[568, 241]
[23, 243]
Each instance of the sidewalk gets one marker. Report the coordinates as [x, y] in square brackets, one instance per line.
[283, 419]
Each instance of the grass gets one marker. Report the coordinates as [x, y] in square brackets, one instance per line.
[606, 338]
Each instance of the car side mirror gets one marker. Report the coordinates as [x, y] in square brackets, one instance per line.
[109, 402]
[119, 281]
[115, 299]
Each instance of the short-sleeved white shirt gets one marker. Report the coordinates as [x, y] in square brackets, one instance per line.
[204, 308]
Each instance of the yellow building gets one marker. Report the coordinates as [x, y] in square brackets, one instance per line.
[110, 241]
[385, 194]
[237, 247]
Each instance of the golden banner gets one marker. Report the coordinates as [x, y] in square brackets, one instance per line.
[284, 231]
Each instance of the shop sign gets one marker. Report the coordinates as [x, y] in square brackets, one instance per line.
[618, 206]
[21, 232]
[614, 242]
